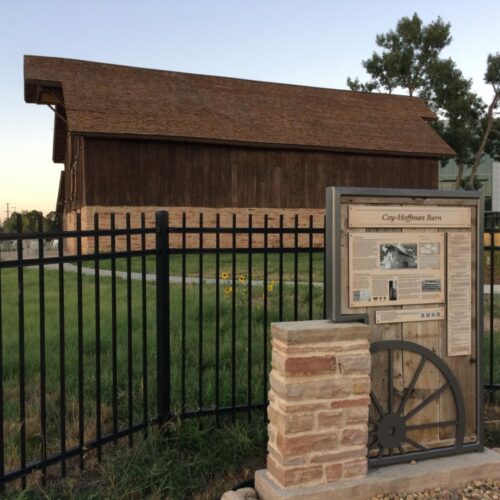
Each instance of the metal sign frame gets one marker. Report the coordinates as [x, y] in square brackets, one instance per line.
[334, 285]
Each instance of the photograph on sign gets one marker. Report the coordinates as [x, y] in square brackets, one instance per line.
[396, 268]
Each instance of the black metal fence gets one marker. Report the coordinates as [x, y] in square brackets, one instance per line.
[491, 288]
[129, 326]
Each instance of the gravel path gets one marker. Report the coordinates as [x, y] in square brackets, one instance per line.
[484, 490]
[90, 271]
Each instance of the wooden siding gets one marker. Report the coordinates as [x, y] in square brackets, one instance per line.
[162, 173]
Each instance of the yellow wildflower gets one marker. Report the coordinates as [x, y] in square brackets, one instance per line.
[224, 275]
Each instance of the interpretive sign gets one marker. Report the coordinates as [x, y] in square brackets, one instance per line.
[396, 268]
[409, 264]
[408, 216]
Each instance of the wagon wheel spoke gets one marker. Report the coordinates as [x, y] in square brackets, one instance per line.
[390, 372]
[380, 451]
[412, 385]
[427, 400]
[446, 423]
[400, 448]
[415, 444]
[377, 404]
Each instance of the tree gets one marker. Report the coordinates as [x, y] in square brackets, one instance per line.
[406, 55]
[29, 221]
[492, 77]
[410, 61]
[51, 222]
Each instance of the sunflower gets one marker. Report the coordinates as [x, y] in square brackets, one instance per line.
[224, 275]
[228, 290]
[270, 287]
[242, 278]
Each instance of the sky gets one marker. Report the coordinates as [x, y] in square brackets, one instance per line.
[316, 42]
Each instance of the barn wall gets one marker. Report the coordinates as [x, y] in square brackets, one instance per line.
[290, 218]
[125, 172]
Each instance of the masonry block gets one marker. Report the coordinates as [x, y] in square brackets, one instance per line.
[319, 400]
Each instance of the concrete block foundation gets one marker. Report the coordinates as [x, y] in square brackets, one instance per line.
[445, 473]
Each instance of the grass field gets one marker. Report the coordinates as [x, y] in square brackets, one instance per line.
[189, 458]
[193, 341]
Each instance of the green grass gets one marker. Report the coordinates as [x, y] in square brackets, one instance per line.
[193, 342]
[190, 458]
[188, 463]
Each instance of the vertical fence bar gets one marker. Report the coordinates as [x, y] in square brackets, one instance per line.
[200, 320]
[41, 302]
[62, 356]
[81, 415]
[281, 270]
[22, 375]
[130, 368]
[296, 271]
[144, 305]
[217, 317]
[183, 318]
[264, 337]
[2, 443]
[114, 340]
[97, 296]
[311, 228]
[492, 311]
[162, 317]
[249, 332]
[324, 267]
[233, 322]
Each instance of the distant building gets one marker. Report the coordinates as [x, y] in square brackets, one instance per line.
[488, 175]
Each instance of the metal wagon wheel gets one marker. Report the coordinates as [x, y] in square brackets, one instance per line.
[389, 430]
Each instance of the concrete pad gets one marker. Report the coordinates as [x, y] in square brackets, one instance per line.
[446, 472]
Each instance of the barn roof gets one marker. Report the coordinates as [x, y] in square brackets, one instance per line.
[106, 99]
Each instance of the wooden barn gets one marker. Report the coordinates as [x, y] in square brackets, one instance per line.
[135, 140]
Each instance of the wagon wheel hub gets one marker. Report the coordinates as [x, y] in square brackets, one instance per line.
[391, 431]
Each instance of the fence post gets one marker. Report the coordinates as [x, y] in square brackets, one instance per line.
[162, 317]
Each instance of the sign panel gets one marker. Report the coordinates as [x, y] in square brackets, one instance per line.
[366, 216]
[459, 328]
[408, 315]
[396, 268]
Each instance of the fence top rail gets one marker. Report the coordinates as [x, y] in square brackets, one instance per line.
[55, 235]
[152, 230]
[246, 230]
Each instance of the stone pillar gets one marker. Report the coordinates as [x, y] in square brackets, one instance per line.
[319, 401]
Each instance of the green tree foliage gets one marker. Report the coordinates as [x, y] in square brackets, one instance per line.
[30, 221]
[406, 54]
[410, 62]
